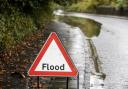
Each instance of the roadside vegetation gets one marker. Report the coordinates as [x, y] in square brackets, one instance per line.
[91, 5]
[20, 19]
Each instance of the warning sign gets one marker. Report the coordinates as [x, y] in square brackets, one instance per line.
[53, 60]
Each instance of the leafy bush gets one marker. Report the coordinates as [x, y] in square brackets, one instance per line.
[19, 18]
[83, 6]
[14, 28]
[90, 5]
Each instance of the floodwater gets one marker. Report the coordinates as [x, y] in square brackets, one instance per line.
[74, 42]
[112, 48]
[89, 27]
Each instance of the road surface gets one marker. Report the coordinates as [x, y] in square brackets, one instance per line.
[75, 44]
[112, 48]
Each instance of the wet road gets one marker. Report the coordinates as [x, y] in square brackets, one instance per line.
[75, 44]
[112, 48]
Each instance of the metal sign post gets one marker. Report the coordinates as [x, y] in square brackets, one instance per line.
[78, 81]
[38, 82]
[67, 79]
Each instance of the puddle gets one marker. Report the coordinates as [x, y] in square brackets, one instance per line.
[112, 49]
[89, 27]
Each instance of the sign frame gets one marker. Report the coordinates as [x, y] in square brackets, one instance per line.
[53, 36]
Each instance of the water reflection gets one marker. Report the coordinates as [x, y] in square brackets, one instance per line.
[90, 27]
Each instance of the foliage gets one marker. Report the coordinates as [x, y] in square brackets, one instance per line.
[90, 5]
[65, 2]
[14, 28]
[20, 18]
[83, 5]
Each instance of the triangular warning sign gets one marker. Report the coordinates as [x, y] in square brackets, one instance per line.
[53, 60]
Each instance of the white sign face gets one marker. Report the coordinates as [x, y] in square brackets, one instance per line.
[53, 60]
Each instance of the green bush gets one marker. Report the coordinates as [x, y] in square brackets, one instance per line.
[14, 28]
[90, 5]
[20, 18]
[83, 6]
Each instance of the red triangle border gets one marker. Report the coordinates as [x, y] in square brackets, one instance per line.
[53, 36]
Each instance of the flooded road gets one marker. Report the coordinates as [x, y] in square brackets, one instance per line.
[112, 48]
[90, 29]
[75, 44]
